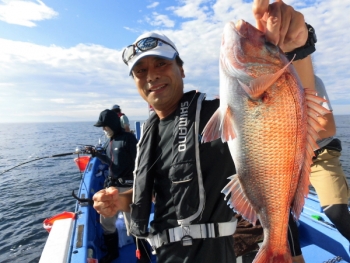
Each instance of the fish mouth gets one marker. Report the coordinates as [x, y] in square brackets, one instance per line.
[244, 29]
[234, 33]
[241, 28]
[246, 39]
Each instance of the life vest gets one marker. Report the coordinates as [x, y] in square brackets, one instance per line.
[185, 172]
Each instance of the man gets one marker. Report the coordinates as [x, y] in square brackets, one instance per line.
[124, 121]
[327, 175]
[192, 222]
[120, 156]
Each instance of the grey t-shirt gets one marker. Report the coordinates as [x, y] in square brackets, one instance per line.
[124, 121]
[321, 92]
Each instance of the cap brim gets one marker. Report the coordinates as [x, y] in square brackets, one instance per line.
[98, 124]
[164, 51]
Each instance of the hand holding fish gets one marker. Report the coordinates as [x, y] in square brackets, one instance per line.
[282, 25]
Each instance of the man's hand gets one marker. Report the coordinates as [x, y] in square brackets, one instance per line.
[106, 201]
[282, 25]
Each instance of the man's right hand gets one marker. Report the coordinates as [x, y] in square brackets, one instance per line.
[282, 25]
[106, 202]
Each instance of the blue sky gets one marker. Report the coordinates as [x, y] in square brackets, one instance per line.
[61, 60]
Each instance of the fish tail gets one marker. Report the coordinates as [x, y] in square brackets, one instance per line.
[267, 254]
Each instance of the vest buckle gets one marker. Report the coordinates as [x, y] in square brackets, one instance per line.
[186, 240]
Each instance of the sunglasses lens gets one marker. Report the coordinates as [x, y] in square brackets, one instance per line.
[147, 43]
[128, 53]
[141, 46]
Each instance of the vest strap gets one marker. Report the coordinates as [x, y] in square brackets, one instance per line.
[185, 234]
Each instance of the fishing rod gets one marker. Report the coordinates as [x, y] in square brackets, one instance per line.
[36, 159]
[78, 150]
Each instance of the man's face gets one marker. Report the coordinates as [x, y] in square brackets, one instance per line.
[159, 82]
[108, 131]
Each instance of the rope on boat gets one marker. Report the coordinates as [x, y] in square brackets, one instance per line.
[334, 260]
[36, 159]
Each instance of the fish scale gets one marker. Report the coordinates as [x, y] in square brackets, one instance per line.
[265, 118]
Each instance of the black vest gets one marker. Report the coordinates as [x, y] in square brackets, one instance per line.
[185, 171]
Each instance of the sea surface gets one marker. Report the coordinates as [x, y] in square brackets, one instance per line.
[41, 189]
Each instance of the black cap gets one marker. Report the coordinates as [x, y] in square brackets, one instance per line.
[106, 118]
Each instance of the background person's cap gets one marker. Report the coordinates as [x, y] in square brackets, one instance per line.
[115, 107]
[162, 50]
[109, 118]
[106, 118]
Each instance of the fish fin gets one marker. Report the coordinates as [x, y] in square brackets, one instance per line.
[302, 188]
[314, 110]
[314, 103]
[228, 132]
[238, 200]
[259, 85]
[269, 254]
[212, 129]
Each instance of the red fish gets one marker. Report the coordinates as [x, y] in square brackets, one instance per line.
[270, 123]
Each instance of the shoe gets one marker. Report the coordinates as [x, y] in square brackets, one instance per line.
[111, 243]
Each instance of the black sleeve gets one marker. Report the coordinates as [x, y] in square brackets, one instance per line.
[132, 141]
[104, 158]
[208, 109]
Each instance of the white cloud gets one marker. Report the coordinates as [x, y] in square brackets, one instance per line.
[153, 5]
[58, 79]
[196, 9]
[91, 78]
[130, 29]
[23, 13]
[198, 41]
[62, 101]
[160, 20]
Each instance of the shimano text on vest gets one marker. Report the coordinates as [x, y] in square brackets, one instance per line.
[183, 126]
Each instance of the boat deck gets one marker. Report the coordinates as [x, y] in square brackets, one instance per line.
[320, 241]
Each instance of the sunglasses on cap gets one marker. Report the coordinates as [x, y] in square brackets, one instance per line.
[142, 45]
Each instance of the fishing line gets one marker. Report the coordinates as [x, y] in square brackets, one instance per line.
[36, 159]
[82, 200]
[145, 249]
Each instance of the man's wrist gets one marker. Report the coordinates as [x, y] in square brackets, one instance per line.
[306, 50]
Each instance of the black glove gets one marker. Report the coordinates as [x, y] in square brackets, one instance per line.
[91, 150]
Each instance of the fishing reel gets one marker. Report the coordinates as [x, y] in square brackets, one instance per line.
[89, 149]
[80, 150]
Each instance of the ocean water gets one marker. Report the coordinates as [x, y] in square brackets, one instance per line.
[40, 189]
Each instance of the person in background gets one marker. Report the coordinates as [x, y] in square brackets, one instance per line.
[124, 121]
[120, 156]
[185, 176]
[327, 175]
